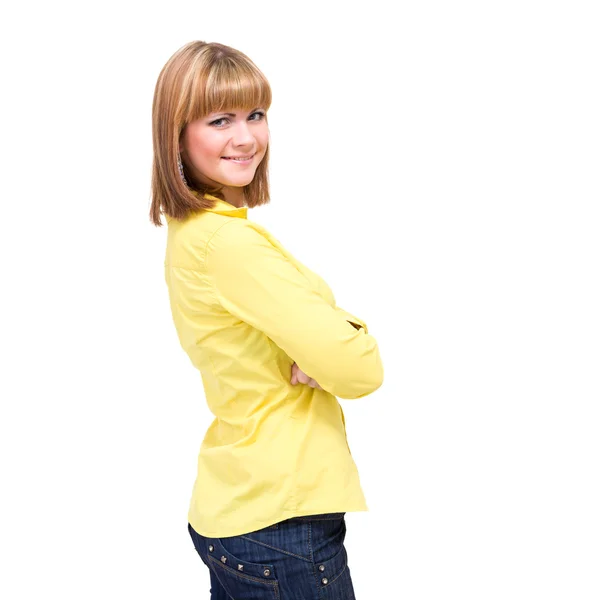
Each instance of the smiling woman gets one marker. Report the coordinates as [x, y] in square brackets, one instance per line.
[275, 475]
[210, 103]
[227, 149]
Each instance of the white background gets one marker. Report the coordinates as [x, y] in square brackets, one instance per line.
[437, 163]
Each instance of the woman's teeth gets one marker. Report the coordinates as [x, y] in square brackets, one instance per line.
[238, 158]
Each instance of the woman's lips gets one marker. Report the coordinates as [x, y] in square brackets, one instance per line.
[237, 161]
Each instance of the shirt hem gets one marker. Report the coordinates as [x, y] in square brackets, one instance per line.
[287, 514]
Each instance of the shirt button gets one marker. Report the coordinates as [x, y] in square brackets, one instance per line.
[325, 581]
[267, 572]
[223, 559]
[321, 568]
[211, 548]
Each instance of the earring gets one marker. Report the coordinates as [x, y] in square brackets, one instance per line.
[180, 166]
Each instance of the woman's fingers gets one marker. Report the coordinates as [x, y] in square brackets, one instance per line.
[295, 371]
[294, 379]
[302, 376]
[299, 376]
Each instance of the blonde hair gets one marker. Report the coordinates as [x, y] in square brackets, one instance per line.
[199, 79]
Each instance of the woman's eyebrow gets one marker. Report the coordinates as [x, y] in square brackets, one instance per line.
[233, 114]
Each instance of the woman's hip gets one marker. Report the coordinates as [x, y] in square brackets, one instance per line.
[299, 558]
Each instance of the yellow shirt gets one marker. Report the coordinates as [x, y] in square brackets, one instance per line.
[245, 310]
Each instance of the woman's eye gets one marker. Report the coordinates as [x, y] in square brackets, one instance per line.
[217, 122]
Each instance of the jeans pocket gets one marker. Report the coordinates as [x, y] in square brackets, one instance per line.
[239, 572]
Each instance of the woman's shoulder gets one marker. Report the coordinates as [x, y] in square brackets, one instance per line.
[242, 233]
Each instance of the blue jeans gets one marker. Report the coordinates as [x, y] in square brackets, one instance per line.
[302, 558]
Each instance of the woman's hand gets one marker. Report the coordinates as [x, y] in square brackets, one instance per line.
[299, 376]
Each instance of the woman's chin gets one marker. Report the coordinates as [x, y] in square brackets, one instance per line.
[237, 182]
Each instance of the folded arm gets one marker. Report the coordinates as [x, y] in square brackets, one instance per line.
[254, 281]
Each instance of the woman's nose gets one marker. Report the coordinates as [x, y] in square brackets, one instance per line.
[242, 135]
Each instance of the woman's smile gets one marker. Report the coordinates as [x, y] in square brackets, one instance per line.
[245, 160]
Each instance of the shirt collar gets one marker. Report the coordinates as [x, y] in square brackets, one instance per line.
[224, 208]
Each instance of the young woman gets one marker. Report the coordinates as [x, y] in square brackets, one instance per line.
[275, 473]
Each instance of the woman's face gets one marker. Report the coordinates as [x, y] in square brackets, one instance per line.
[226, 148]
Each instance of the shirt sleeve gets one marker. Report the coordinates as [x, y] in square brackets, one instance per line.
[256, 282]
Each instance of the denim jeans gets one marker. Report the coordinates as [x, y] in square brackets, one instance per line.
[302, 558]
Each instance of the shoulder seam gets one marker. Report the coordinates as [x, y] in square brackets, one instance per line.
[233, 220]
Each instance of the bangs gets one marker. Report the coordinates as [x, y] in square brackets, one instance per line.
[229, 84]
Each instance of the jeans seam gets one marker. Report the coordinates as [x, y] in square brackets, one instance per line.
[312, 560]
[339, 575]
[275, 548]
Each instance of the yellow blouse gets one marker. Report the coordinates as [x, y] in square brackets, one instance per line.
[245, 310]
